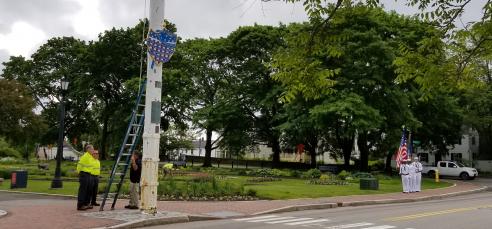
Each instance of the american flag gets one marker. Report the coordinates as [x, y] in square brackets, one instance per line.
[402, 151]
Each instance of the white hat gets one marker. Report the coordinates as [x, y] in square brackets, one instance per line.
[416, 158]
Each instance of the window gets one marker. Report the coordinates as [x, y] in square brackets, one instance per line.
[424, 157]
[442, 164]
[456, 157]
[452, 165]
[473, 140]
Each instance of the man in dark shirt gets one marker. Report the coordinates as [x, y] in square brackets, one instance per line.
[135, 172]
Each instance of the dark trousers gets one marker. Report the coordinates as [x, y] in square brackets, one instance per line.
[95, 189]
[85, 189]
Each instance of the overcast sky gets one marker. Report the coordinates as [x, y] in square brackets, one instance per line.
[26, 24]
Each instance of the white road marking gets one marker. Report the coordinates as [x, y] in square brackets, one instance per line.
[289, 220]
[258, 217]
[350, 225]
[308, 222]
[269, 219]
[380, 227]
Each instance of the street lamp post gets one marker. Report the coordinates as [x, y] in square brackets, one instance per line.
[57, 182]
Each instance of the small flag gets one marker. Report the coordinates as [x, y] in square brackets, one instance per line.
[402, 151]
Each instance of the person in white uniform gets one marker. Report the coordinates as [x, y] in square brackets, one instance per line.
[416, 167]
[405, 175]
[411, 175]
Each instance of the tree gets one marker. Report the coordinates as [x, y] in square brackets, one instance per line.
[113, 59]
[20, 124]
[253, 90]
[204, 61]
[353, 59]
[58, 58]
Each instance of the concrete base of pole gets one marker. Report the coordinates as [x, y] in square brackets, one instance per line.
[149, 185]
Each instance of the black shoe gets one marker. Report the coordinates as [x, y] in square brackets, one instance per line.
[133, 207]
[128, 206]
[95, 204]
[83, 208]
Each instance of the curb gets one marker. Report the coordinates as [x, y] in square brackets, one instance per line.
[369, 202]
[292, 208]
[160, 221]
[408, 200]
[41, 194]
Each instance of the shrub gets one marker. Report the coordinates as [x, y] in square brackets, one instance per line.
[376, 165]
[266, 173]
[343, 175]
[362, 175]
[313, 174]
[251, 192]
[242, 172]
[324, 177]
[6, 150]
[327, 182]
[5, 173]
[295, 173]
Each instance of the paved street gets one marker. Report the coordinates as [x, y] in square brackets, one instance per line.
[471, 212]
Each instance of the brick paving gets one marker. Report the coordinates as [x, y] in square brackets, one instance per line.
[62, 213]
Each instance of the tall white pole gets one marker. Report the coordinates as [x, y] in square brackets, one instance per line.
[151, 135]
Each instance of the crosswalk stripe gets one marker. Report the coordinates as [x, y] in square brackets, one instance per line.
[289, 220]
[307, 222]
[380, 227]
[269, 219]
[349, 225]
[258, 217]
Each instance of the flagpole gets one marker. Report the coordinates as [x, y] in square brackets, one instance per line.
[151, 134]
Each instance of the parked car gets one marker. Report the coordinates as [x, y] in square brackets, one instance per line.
[451, 169]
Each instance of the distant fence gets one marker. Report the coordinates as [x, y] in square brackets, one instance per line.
[234, 163]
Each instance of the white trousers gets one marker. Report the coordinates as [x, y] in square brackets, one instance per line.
[405, 182]
[416, 182]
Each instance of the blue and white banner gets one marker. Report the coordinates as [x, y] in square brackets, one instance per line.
[161, 44]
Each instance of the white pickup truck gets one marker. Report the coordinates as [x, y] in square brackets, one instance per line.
[451, 169]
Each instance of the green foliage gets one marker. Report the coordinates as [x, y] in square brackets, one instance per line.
[295, 173]
[208, 187]
[362, 175]
[267, 173]
[5, 173]
[6, 150]
[343, 175]
[313, 174]
[19, 123]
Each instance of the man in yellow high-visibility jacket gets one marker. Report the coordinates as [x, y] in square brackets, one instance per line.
[96, 171]
[84, 168]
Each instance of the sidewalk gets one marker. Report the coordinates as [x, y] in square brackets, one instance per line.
[61, 213]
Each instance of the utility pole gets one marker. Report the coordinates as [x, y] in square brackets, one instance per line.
[151, 134]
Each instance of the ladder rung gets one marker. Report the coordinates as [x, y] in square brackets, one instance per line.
[132, 135]
[140, 115]
[122, 164]
[141, 105]
[118, 174]
[111, 194]
[126, 154]
[133, 124]
[128, 144]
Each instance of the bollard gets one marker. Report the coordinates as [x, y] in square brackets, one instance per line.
[437, 176]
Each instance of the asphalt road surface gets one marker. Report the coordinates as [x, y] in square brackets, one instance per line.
[470, 212]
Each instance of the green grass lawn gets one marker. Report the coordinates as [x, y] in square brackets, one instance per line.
[284, 189]
[287, 188]
[69, 188]
[296, 188]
